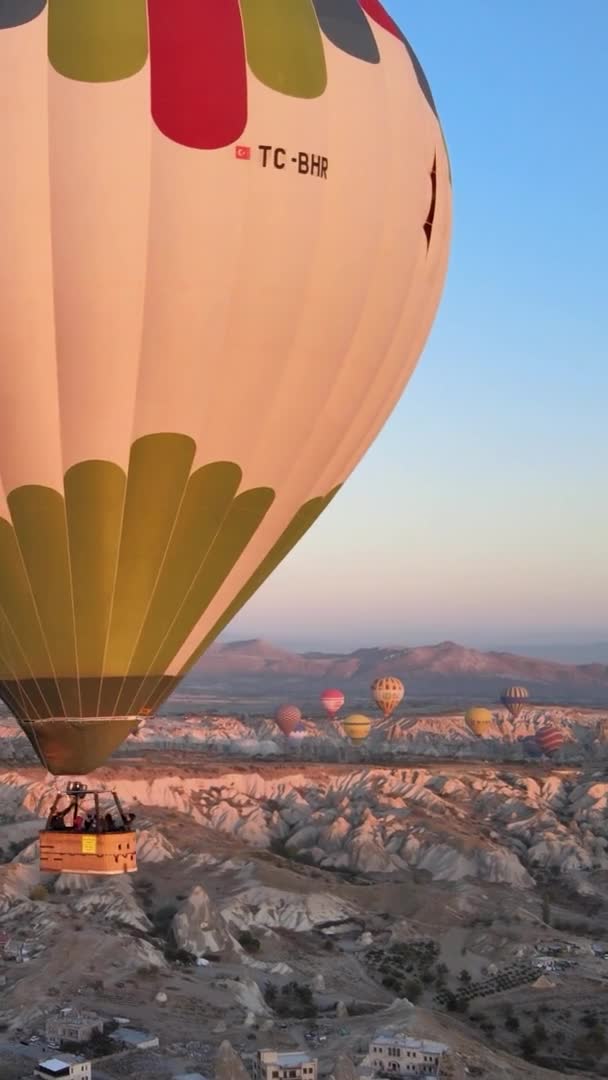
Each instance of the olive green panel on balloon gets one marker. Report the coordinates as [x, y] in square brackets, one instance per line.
[233, 533]
[46, 697]
[300, 524]
[100, 590]
[39, 520]
[94, 499]
[159, 470]
[98, 40]
[22, 643]
[284, 46]
[76, 747]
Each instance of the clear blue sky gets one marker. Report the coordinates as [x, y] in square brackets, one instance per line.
[496, 458]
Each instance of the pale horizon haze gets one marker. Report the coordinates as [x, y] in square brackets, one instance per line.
[494, 463]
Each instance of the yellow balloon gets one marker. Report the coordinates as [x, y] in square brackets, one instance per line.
[357, 727]
[479, 720]
[224, 237]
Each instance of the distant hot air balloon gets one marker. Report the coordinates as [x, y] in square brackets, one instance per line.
[530, 746]
[357, 727]
[387, 692]
[514, 699]
[299, 731]
[287, 718]
[479, 720]
[550, 739]
[200, 335]
[332, 701]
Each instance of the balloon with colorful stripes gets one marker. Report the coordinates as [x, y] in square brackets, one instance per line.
[224, 230]
[550, 739]
[514, 699]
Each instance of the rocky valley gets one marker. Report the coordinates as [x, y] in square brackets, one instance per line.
[291, 904]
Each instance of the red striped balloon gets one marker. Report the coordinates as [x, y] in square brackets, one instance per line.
[549, 739]
[332, 701]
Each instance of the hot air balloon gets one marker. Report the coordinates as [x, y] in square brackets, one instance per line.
[332, 701]
[387, 693]
[287, 718]
[357, 727]
[514, 699]
[530, 746]
[224, 236]
[549, 739]
[479, 720]
[299, 731]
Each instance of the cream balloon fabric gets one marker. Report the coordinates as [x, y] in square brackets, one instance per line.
[225, 231]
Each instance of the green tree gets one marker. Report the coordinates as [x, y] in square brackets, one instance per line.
[528, 1046]
[413, 990]
[248, 941]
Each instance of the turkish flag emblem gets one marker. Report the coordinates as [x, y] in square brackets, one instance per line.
[243, 152]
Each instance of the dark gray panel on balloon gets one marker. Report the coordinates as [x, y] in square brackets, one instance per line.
[422, 79]
[344, 23]
[18, 12]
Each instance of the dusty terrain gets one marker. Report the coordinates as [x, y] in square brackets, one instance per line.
[464, 901]
[441, 736]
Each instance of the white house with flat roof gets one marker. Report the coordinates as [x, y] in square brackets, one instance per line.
[64, 1067]
[402, 1055]
[273, 1065]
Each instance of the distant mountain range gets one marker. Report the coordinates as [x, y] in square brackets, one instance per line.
[595, 652]
[435, 672]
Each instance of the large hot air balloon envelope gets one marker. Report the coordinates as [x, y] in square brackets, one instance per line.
[549, 739]
[387, 692]
[478, 720]
[357, 727]
[332, 701]
[514, 699]
[224, 234]
[287, 718]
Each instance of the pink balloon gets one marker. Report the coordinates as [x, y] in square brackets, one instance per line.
[332, 701]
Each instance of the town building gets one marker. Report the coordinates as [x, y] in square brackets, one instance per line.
[403, 1055]
[135, 1040]
[72, 1026]
[64, 1067]
[272, 1065]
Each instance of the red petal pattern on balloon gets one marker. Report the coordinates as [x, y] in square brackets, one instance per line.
[198, 71]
